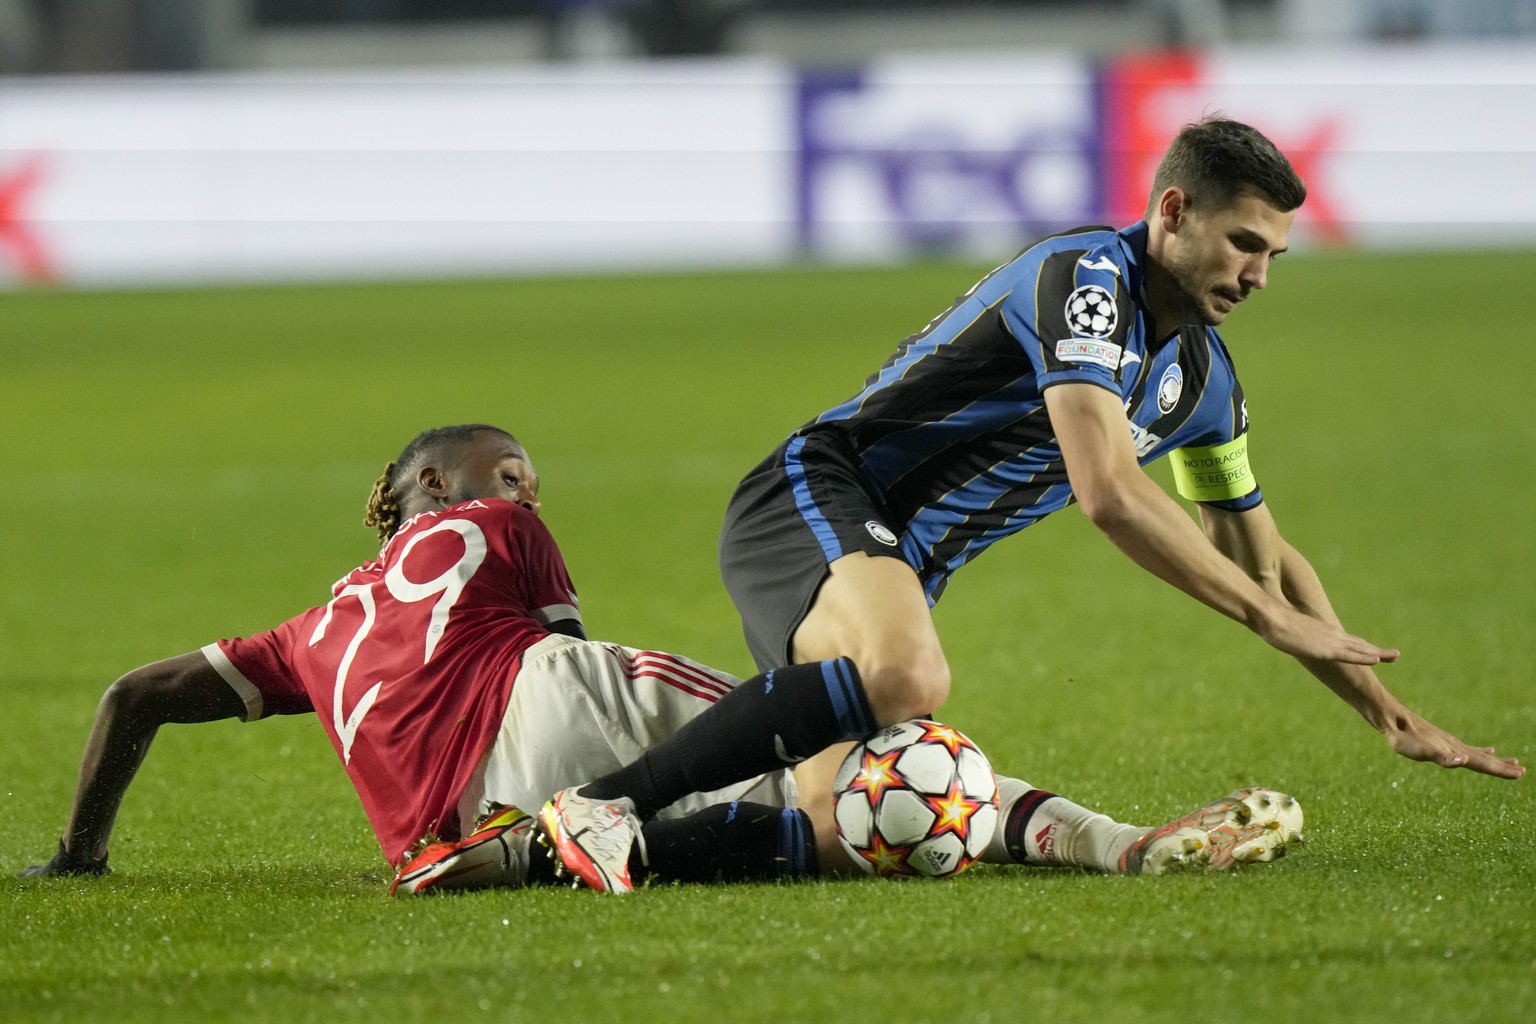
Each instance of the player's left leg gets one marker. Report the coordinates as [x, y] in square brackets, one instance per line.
[1037, 827]
[1244, 827]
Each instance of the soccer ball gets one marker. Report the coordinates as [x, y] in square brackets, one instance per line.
[916, 798]
[1091, 311]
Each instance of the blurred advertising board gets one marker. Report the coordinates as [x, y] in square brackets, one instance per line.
[171, 179]
[201, 178]
[911, 154]
[1399, 146]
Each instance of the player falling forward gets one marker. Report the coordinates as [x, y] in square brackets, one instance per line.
[453, 681]
[1054, 379]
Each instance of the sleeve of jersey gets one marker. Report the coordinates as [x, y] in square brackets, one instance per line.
[1217, 475]
[1073, 324]
[257, 669]
[550, 594]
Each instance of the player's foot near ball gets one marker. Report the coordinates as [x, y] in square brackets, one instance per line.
[1244, 827]
[590, 839]
[494, 855]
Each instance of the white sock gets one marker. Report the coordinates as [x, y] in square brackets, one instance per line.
[1055, 831]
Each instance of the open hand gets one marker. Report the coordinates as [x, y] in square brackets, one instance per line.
[1421, 740]
[1303, 636]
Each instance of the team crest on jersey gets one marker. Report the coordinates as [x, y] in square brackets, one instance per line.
[1091, 312]
[1170, 388]
[881, 533]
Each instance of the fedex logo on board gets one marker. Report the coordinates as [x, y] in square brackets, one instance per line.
[932, 164]
[945, 159]
[21, 248]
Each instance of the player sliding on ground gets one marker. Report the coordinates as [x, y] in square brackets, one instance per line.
[453, 680]
[1054, 379]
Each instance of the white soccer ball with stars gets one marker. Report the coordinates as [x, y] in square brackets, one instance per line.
[916, 798]
[1091, 311]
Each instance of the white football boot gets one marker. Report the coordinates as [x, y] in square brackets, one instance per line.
[591, 839]
[1248, 826]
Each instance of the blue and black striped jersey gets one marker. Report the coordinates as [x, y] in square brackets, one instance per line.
[951, 434]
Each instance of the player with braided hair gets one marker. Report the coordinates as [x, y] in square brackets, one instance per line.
[453, 678]
[438, 443]
[383, 507]
[454, 681]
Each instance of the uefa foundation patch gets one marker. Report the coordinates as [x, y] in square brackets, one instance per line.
[1089, 350]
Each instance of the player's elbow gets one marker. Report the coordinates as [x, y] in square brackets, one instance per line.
[148, 693]
[133, 694]
[1107, 506]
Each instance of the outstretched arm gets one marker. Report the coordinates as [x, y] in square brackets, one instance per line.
[1252, 541]
[1155, 531]
[181, 689]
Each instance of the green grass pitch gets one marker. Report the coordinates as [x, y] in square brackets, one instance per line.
[189, 465]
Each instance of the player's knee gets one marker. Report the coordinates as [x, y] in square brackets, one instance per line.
[906, 687]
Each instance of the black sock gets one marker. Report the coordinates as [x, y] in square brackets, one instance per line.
[771, 721]
[734, 842]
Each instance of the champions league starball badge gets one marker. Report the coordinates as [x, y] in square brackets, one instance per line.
[1091, 312]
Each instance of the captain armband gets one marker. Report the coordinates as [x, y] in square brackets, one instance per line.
[1217, 473]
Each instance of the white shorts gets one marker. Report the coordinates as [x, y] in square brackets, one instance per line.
[581, 709]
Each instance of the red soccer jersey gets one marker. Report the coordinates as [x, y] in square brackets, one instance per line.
[410, 664]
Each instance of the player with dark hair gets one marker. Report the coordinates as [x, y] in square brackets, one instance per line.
[453, 680]
[1053, 380]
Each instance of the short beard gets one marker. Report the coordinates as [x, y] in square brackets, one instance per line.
[1190, 309]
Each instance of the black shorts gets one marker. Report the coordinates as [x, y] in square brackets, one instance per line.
[802, 507]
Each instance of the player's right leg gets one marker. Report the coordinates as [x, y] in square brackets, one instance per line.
[802, 549]
[871, 608]
[767, 723]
